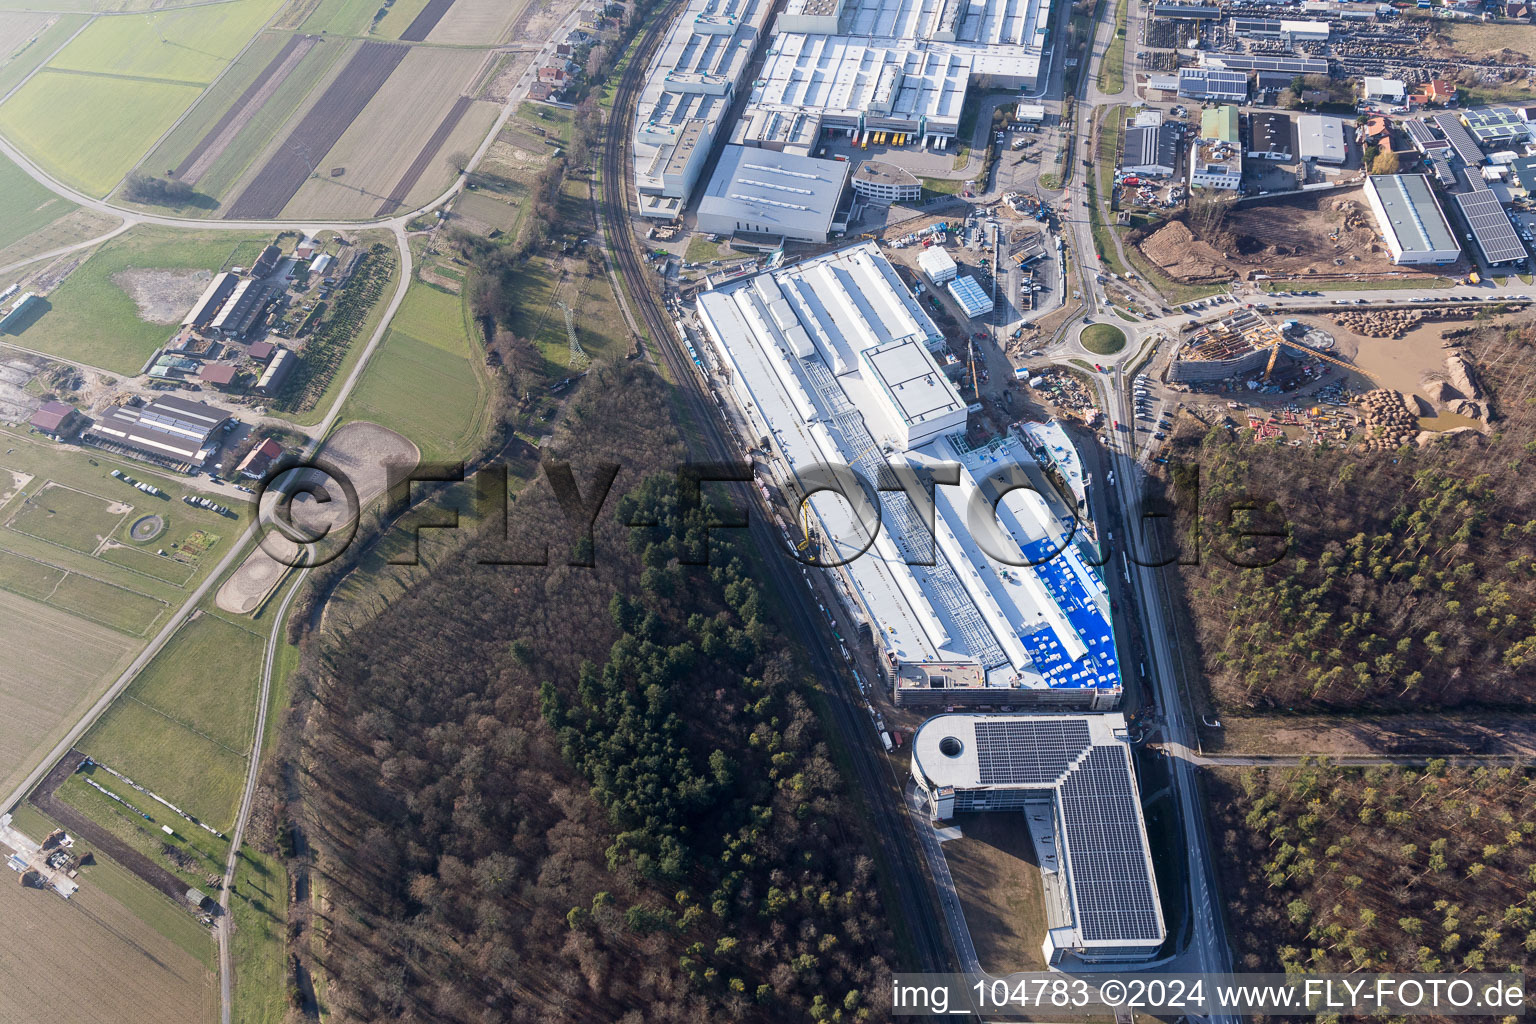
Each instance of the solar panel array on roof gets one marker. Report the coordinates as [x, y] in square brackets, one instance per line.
[1292, 65]
[1460, 139]
[1419, 131]
[1024, 752]
[1106, 852]
[1490, 226]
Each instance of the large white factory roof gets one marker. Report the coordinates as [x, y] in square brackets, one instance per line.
[1083, 764]
[689, 89]
[831, 359]
[897, 62]
[763, 191]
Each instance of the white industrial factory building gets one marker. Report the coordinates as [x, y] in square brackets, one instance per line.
[1073, 778]
[833, 362]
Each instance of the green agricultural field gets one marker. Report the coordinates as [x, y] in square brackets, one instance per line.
[94, 321]
[259, 906]
[29, 577]
[201, 853]
[343, 17]
[190, 45]
[146, 561]
[25, 206]
[198, 679]
[108, 604]
[67, 517]
[158, 752]
[425, 380]
[57, 117]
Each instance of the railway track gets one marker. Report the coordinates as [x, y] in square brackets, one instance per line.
[876, 776]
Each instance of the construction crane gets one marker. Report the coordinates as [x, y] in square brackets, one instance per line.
[1274, 354]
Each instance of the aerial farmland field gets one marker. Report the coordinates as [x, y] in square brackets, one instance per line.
[478, 22]
[117, 967]
[24, 50]
[25, 206]
[386, 137]
[56, 118]
[190, 45]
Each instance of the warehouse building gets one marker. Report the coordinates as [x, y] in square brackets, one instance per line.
[1151, 150]
[1389, 91]
[1411, 222]
[170, 431]
[1210, 85]
[1270, 136]
[775, 195]
[880, 182]
[892, 72]
[1074, 779]
[1320, 139]
[688, 93]
[832, 363]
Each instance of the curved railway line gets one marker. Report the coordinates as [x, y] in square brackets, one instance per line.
[880, 783]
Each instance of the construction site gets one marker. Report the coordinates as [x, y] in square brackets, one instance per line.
[1309, 237]
[1373, 378]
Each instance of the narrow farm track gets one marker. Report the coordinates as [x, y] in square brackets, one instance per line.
[877, 778]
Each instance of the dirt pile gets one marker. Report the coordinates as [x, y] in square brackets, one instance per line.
[1461, 373]
[1389, 422]
[1183, 257]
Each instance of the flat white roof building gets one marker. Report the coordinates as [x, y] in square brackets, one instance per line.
[1320, 137]
[1412, 224]
[832, 363]
[896, 65]
[760, 191]
[1075, 781]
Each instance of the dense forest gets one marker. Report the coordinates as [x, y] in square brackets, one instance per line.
[564, 793]
[1380, 869]
[1407, 579]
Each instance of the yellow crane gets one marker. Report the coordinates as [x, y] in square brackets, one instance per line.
[1274, 354]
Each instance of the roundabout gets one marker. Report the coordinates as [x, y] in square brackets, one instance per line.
[1102, 339]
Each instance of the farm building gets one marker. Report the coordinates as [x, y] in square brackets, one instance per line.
[260, 351]
[938, 265]
[1151, 149]
[321, 263]
[266, 262]
[1412, 224]
[173, 367]
[968, 294]
[777, 195]
[171, 431]
[880, 182]
[56, 419]
[207, 305]
[220, 375]
[1320, 138]
[240, 310]
[276, 373]
[1074, 779]
[259, 459]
